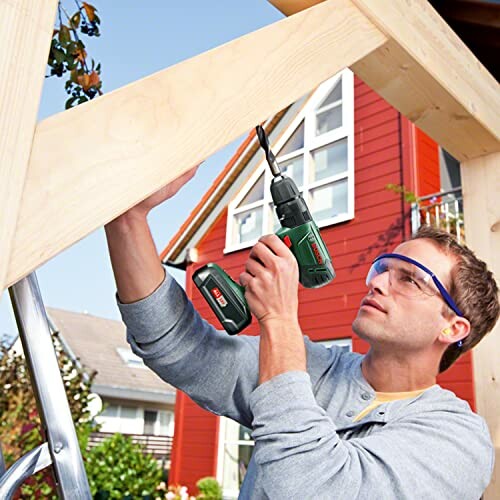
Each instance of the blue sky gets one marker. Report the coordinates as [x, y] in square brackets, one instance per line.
[139, 38]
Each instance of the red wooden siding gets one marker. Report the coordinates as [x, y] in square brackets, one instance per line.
[427, 157]
[380, 224]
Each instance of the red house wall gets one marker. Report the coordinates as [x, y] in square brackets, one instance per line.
[381, 222]
[427, 158]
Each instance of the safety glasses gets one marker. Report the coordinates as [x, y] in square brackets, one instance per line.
[409, 277]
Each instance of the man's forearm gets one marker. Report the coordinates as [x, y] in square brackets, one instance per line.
[282, 349]
[136, 265]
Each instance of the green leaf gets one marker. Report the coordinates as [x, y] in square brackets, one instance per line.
[64, 35]
[71, 65]
[69, 102]
[59, 55]
[75, 19]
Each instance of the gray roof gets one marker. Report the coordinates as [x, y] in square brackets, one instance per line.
[93, 341]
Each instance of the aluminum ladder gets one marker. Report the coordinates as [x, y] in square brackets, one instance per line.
[61, 448]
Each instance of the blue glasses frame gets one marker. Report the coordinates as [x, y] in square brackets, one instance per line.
[442, 290]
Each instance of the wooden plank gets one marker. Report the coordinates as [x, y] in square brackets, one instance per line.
[428, 74]
[25, 33]
[481, 192]
[142, 136]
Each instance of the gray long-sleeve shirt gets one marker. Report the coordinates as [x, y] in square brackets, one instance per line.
[307, 444]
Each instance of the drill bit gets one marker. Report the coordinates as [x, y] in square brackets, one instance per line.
[264, 143]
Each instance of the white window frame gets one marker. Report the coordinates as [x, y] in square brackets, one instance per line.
[223, 423]
[311, 143]
[130, 358]
[116, 422]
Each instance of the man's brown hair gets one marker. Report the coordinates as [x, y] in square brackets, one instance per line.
[473, 288]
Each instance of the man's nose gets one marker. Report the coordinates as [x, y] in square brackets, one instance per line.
[380, 283]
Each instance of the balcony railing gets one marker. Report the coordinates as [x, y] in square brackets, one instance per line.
[158, 446]
[443, 210]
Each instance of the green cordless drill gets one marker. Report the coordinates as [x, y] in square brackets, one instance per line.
[299, 233]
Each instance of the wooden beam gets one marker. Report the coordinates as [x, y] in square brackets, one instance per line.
[25, 33]
[93, 162]
[481, 193]
[428, 74]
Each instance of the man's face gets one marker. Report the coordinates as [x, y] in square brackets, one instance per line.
[393, 319]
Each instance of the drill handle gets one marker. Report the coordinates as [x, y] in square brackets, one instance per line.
[314, 261]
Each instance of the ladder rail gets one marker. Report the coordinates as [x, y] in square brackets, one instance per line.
[30, 463]
[48, 388]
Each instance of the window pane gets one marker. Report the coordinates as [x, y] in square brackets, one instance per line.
[110, 411]
[245, 433]
[150, 421]
[329, 120]
[245, 454]
[166, 423]
[329, 201]
[127, 412]
[256, 193]
[236, 456]
[274, 218]
[129, 424]
[249, 225]
[329, 160]
[333, 96]
[295, 142]
[294, 168]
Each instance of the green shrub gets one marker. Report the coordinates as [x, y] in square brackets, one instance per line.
[117, 468]
[209, 488]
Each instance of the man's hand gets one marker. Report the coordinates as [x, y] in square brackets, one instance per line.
[271, 282]
[142, 209]
[136, 265]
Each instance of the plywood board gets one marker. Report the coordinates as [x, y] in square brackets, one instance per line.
[25, 33]
[142, 136]
[481, 195]
[428, 74]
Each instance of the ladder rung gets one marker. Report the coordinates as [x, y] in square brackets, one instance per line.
[29, 464]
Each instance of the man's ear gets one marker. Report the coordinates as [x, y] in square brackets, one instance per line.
[457, 329]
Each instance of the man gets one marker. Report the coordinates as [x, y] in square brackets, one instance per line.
[326, 424]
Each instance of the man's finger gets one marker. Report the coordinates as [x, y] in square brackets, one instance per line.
[276, 245]
[245, 278]
[254, 267]
[262, 253]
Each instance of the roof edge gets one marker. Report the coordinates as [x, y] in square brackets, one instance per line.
[171, 255]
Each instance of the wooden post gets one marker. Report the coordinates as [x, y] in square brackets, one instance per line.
[25, 33]
[481, 195]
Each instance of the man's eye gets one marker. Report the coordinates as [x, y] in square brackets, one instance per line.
[408, 279]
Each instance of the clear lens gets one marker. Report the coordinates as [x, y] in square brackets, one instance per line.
[404, 277]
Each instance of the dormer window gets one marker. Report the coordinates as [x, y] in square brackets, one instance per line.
[129, 358]
[317, 151]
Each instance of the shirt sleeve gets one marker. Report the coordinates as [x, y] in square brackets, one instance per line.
[434, 455]
[216, 370]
